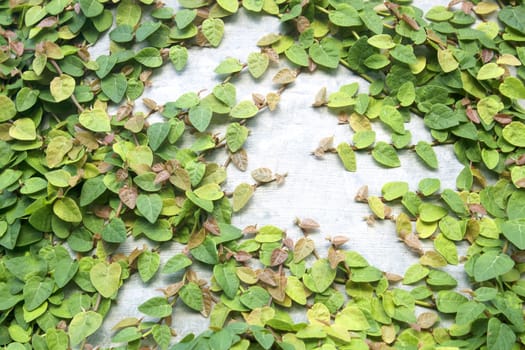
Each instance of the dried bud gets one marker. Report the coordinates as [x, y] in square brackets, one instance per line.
[362, 194]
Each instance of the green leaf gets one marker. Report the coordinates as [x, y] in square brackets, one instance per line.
[499, 335]
[210, 192]
[394, 190]
[253, 5]
[382, 41]
[511, 87]
[491, 265]
[415, 273]
[176, 263]
[157, 134]
[178, 56]
[185, 17]
[468, 312]
[320, 277]
[297, 55]
[37, 291]
[115, 231]
[106, 278]
[58, 178]
[148, 264]
[406, 94]
[83, 325]
[241, 195]
[62, 87]
[96, 120]
[229, 5]
[447, 61]
[91, 190]
[236, 135]
[229, 66]
[156, 307]
[65, 269]
[490, 71]
[114, 86]
[425, 151]
[191, 295]
[213, 30]
[513, 17]
[67, 210]
[255, 297]
[162, 335]
[386, 155]
[128, 13]
[7, 108]
[57, 149]
[347, 156]
[393, 118]
[449, 301]
[149, 206]
[441, 117]
[404, 53]
[325, 53]
[200, 117]
[430, 212]
[345, 16]
[244, 109]
[488, 107]
[206, 252]
[257, 64]
[91, 8]
[146, 29]
[25, 99]
[376, 61]
[514, 133]
[226, 277]
[514, 231]
[226, 93]
[23, 129]
[149, 57]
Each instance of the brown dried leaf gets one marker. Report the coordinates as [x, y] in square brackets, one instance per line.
[302, 24]
[338, 240]
[161, 177]
[393, 277]
[412, 241]
[48, 22]
[128, 196]
[242, 256]
[272, 100]
[320, 98]
[278, 292]
[263, 175]
[335, 257]
[212, 226]
[503, 119]
[101, 211]
[181, 179]
[259, 100]
[207, 302]
[427, 319]
[472, 115]
[250, 230]
[362, 194]
[279, 179]
[272, 55]
[172, 289]
[284, 76]
[278, 257]
[148, 102]
[240, 159]
[304, 247]
[135, 254]
[267, 276]
[410, 21]
[196, 238]
[487, 55]
[307, 224]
